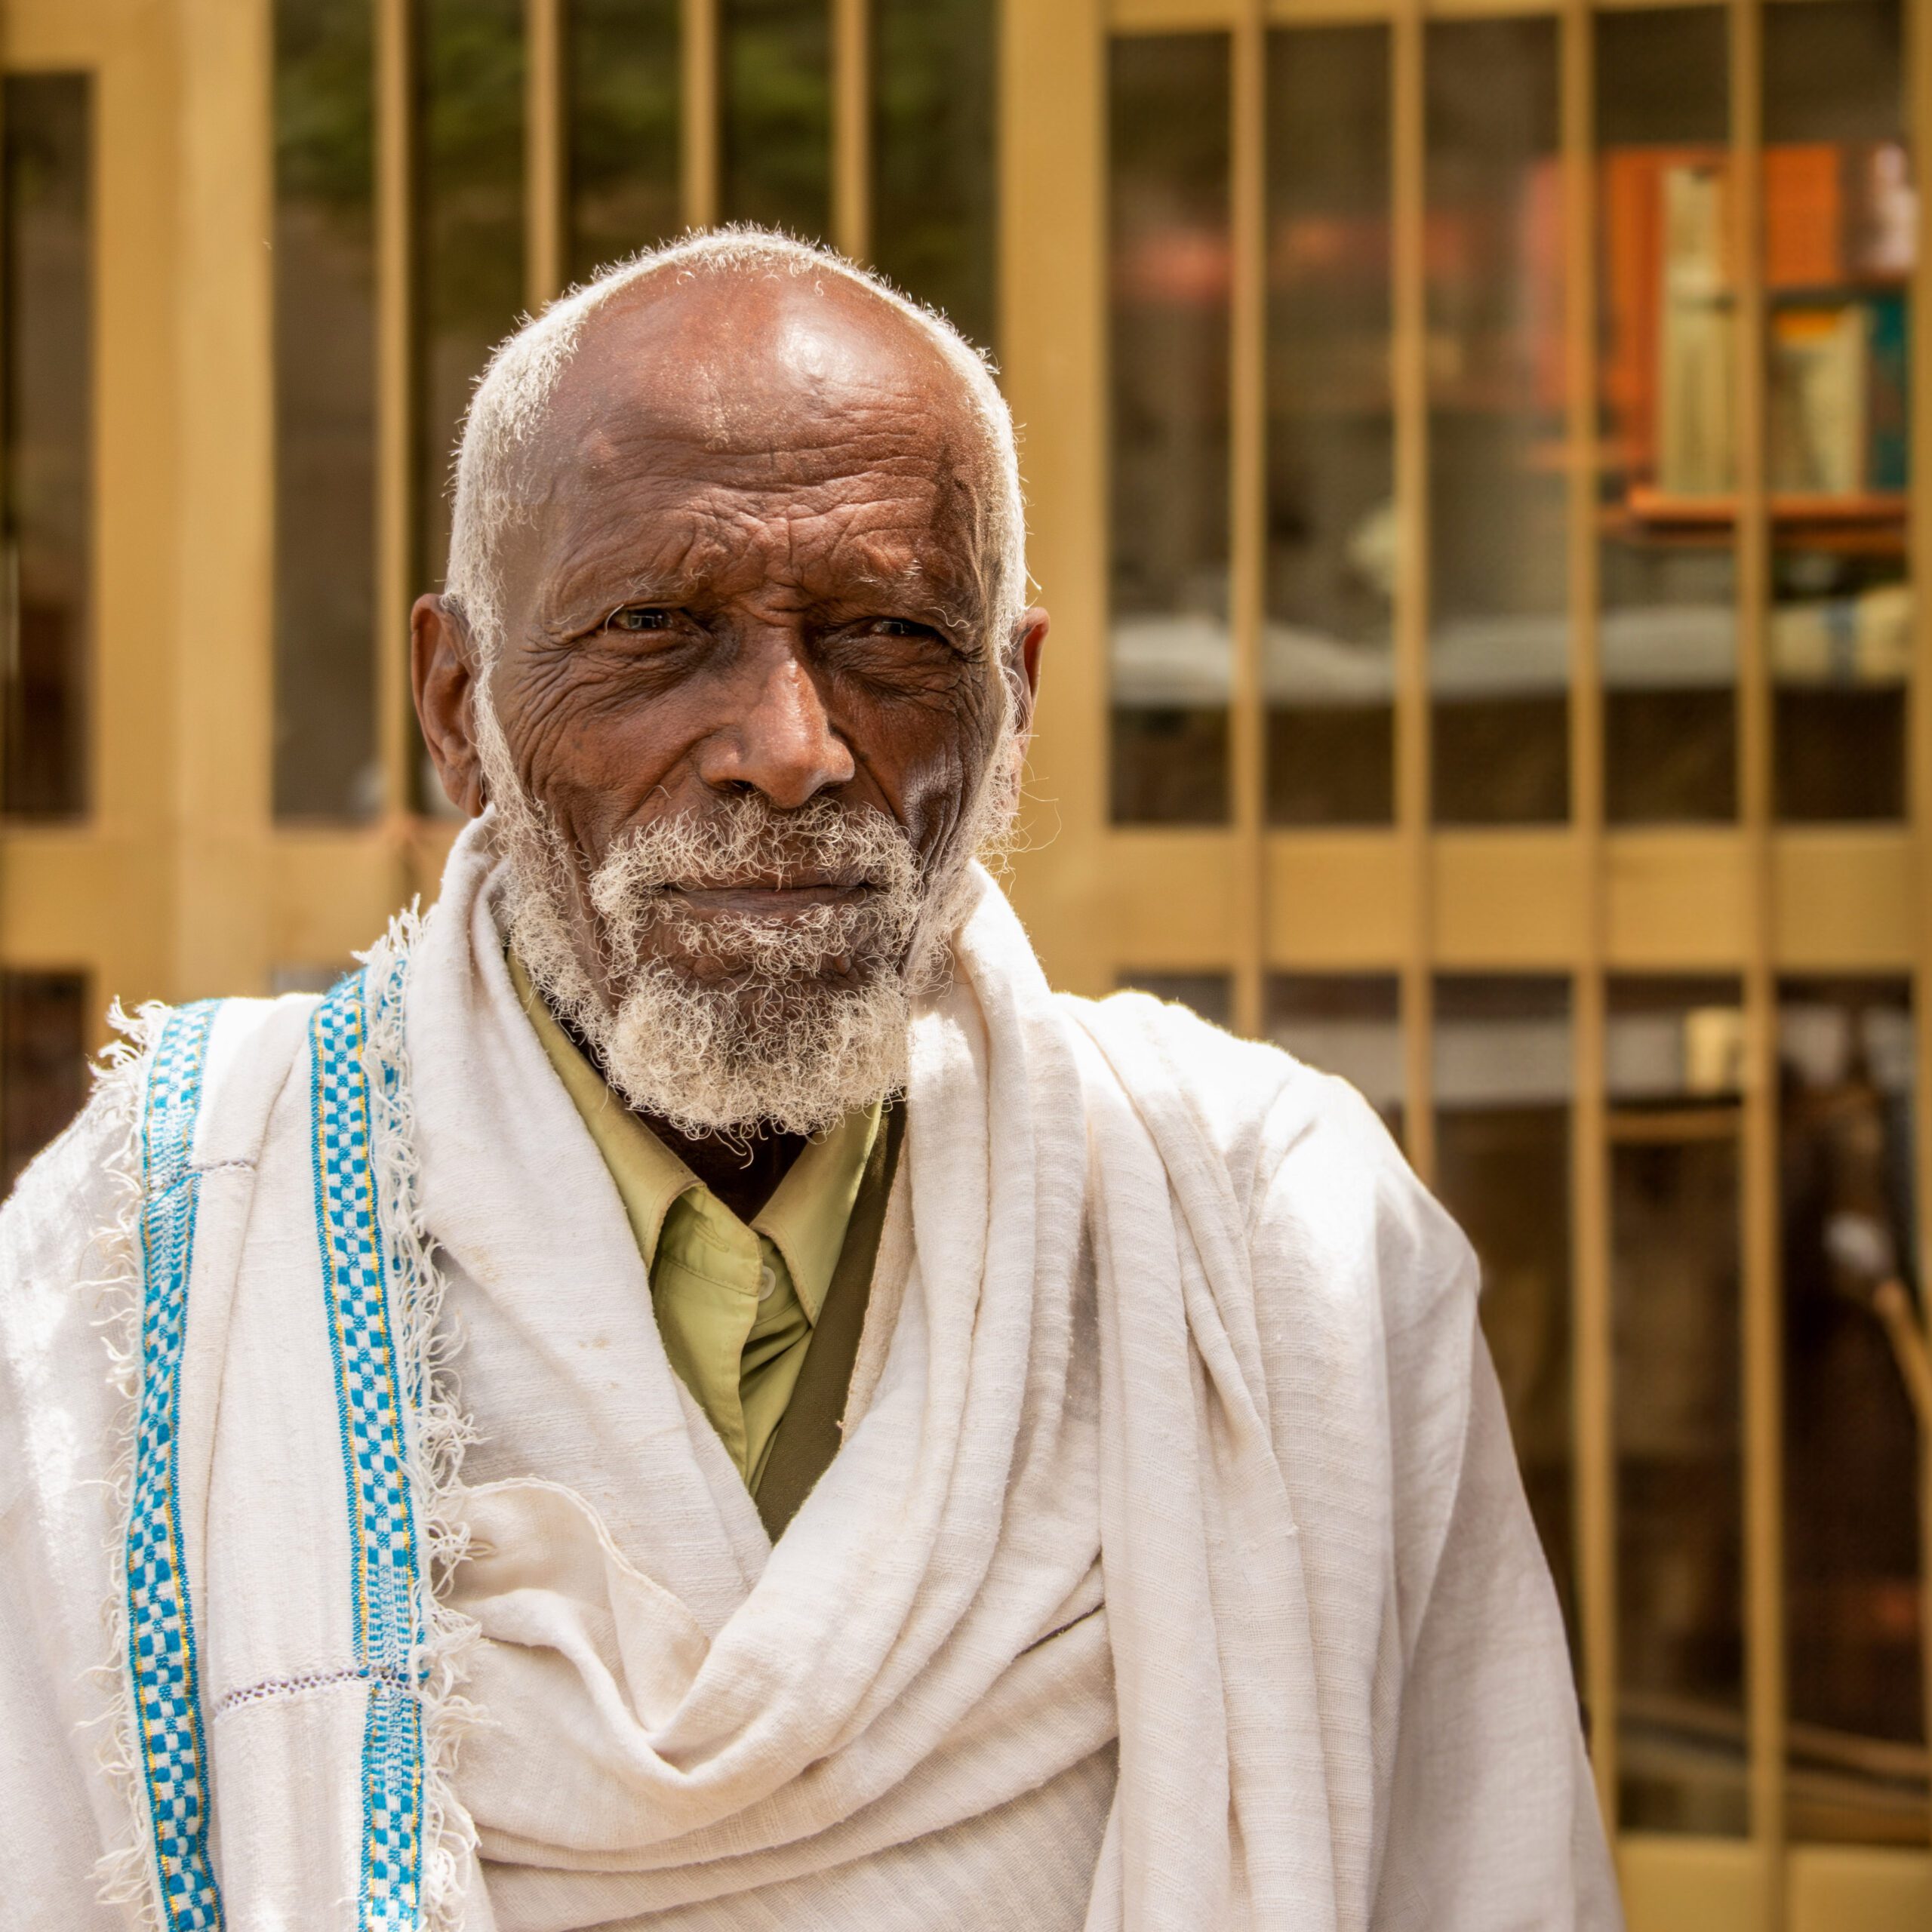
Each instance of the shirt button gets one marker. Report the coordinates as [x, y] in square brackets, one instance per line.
[767, 1281]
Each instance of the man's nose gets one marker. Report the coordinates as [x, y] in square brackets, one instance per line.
[781, 742]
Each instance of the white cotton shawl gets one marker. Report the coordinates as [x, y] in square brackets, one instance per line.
[1172, 1445]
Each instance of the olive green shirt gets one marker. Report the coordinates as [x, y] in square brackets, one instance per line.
[735, 1304]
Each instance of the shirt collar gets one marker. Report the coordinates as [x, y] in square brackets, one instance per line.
[806, 1218]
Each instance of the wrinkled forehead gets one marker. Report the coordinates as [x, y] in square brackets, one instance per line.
[770, 379]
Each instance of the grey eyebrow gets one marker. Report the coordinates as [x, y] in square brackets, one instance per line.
[654, 589]
[574, 611]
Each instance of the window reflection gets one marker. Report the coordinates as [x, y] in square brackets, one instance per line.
[1346, 1023]
[1504, 1085]
[933, 169]
[470, 244]
[1668, 637]
[1170, 266]
[1493, 263]
[1675, 1058]
[1858, 1762]
[325, 763]
[43, 1063]
[48, 292]
[1840, 237]
[775, 166]
[1331, 521]
[622, 128]
[470, 252]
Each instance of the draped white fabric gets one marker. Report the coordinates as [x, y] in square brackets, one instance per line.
[1174, 1447]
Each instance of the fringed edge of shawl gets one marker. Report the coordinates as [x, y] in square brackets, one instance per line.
[438, 1430]
[124, 1872]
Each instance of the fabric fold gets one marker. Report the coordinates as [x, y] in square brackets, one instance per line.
[1172, 1487]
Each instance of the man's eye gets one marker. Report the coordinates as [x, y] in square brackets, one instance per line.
[638, 617]
[899, 627]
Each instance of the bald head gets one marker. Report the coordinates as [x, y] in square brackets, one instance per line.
[722, 342]
[727, 353]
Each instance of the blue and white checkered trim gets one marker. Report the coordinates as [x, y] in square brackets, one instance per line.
[161, 1621]
[359, 1275]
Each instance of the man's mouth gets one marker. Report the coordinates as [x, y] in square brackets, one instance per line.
[768, 898]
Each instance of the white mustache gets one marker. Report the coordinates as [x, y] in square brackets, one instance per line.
[634, 889]
[749, 841]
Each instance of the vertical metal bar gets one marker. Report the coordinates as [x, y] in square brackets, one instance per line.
[10, 590]
[1763, 1329]
[1919, 127]
[395, 405]
[10, 558]
[1592, 1332]
[545, 171]
[218, 723]
[851, 128]
[1409, 382]
[1248, 486]
[1052, 145]
[699, 122]
[8, 543]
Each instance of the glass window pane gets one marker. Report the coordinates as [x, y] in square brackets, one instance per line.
[1857, 1754]
[470, 250]
[1504, 1085]
[1329, 662]
[1211, 995]
[1171, 263]
[324, 413]
[1348, 1024]
[1841, 236]
[1499, 635]
[48, 290]
[1667, 402]
[1676, 1055]
[933, 167]
[43, 1063]
[622, 126]
[777, 111]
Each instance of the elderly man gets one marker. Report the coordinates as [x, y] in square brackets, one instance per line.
[693, 1391]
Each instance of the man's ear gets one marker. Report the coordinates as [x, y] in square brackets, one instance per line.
[1029, 639]
[443, 672]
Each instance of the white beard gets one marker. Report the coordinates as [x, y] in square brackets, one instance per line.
[755, 1024]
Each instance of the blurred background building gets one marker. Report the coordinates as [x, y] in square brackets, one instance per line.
[1470, 447]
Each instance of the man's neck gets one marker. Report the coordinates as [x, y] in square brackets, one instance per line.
[741, 1174]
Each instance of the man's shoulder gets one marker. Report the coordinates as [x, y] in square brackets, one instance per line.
[63, 1271]
[1251, 1097]
[244, 1051]
[68, 1228]
[1328, 1200]
[57, 1205]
